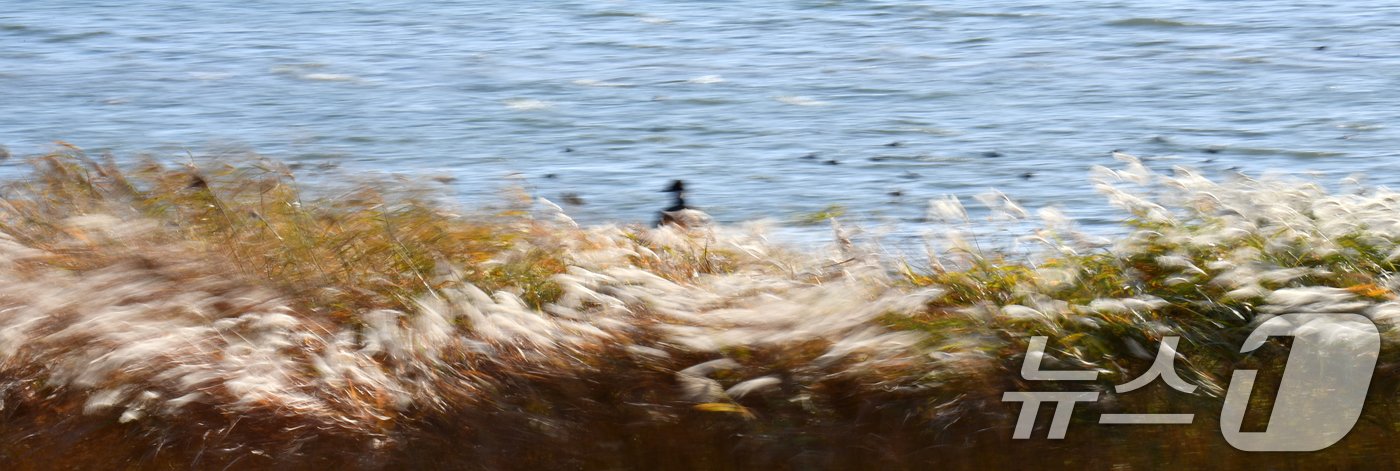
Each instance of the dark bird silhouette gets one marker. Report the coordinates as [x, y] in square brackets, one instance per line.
[677, 189]
[679, 213]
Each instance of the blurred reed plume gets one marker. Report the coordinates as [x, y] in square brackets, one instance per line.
[218, 317]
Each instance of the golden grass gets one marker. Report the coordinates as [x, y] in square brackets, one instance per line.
[217, 316]
[372, 246]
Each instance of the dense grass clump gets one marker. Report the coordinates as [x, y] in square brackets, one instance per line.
[217, 316]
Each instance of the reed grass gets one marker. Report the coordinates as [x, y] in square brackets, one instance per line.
[217, 316]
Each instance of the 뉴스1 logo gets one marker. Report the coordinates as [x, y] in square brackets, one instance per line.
[1319, 400]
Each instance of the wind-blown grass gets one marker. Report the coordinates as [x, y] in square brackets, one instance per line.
[216, 316]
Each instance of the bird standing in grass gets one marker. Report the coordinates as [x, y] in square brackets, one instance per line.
[679, 213]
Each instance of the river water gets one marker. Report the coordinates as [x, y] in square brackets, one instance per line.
[767, 109]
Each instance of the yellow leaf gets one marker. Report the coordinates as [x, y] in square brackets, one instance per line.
[725, 407]
[1370, 290]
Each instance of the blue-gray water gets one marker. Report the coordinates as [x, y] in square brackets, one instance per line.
[612, 98]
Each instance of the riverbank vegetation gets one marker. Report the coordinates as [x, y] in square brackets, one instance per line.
[221, 315]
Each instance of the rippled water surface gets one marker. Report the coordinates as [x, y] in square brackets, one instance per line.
[768, 109]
